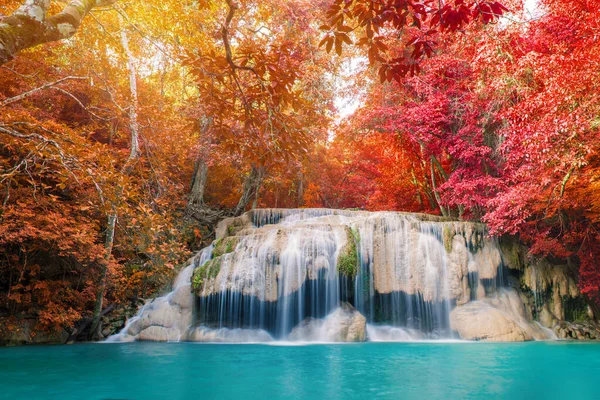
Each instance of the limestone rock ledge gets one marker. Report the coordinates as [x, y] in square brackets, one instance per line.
[431, 256]
[585, 330]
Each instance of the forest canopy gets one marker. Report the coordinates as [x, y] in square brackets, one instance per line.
[129, 128]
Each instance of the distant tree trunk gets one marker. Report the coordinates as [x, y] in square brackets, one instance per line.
[198, 183]
[300, 189]
[429, 192]
[415, 182]
[133, 104]
[251, 186]
[450, 212]
[111, 223]
[30, 25]
[258, 187]
[434, 189]
[96, 328]
[196, 197]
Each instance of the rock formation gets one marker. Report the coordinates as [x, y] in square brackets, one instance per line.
[284, 273]
[167, 318]
[344, 324]
[499, 318]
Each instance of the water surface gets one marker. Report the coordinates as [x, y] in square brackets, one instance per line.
[537, 370]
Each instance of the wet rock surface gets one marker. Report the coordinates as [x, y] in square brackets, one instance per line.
[409, 253]
[500, 318]
[586, 330]
[166, 318]
[344, 324]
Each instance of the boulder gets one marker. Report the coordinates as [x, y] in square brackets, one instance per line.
[161, 314]
[500, 318]
[478, 320]
[160, 334]
[584, 330]
[165, 318]
[344, 324]
[182, 296]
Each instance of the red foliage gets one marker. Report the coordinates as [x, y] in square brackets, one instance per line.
[503, 122]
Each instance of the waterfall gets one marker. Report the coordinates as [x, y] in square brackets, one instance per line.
[410, 269]
[166, 318]
[338, 275]
[273, 280]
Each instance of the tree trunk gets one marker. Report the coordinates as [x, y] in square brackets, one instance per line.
[251, 185]
[30, 25]
[417, 189]
[198, 186]
[198, 183]
[133, 105]
[300, 189]
[108, 245]
[112, 217]
[449, 212]
[434, 189]
[257, 190]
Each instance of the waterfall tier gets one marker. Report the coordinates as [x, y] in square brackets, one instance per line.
[338, 275]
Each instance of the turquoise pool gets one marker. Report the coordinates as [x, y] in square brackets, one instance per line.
[539, 370]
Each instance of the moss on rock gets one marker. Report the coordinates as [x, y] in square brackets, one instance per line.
[347, 261]
[235, 226]
[225, 245]
[209, 270]
[447, 236]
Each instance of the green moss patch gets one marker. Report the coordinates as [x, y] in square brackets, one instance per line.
[347, 262]
[209, 270]
[225, 246]
[234, 227]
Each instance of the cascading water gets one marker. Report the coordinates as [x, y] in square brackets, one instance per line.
[319, 274]
[168, 317]
[410, 270]
[273, 284]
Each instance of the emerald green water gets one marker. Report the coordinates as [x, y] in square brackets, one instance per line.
[548, 370]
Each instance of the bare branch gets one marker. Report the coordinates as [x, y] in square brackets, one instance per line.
[81, 104]
[46, 86]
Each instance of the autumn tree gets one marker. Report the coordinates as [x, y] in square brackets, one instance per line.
[32, 24]
[70, 147]
[398, 34]
[545, 76]
[255, 91]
